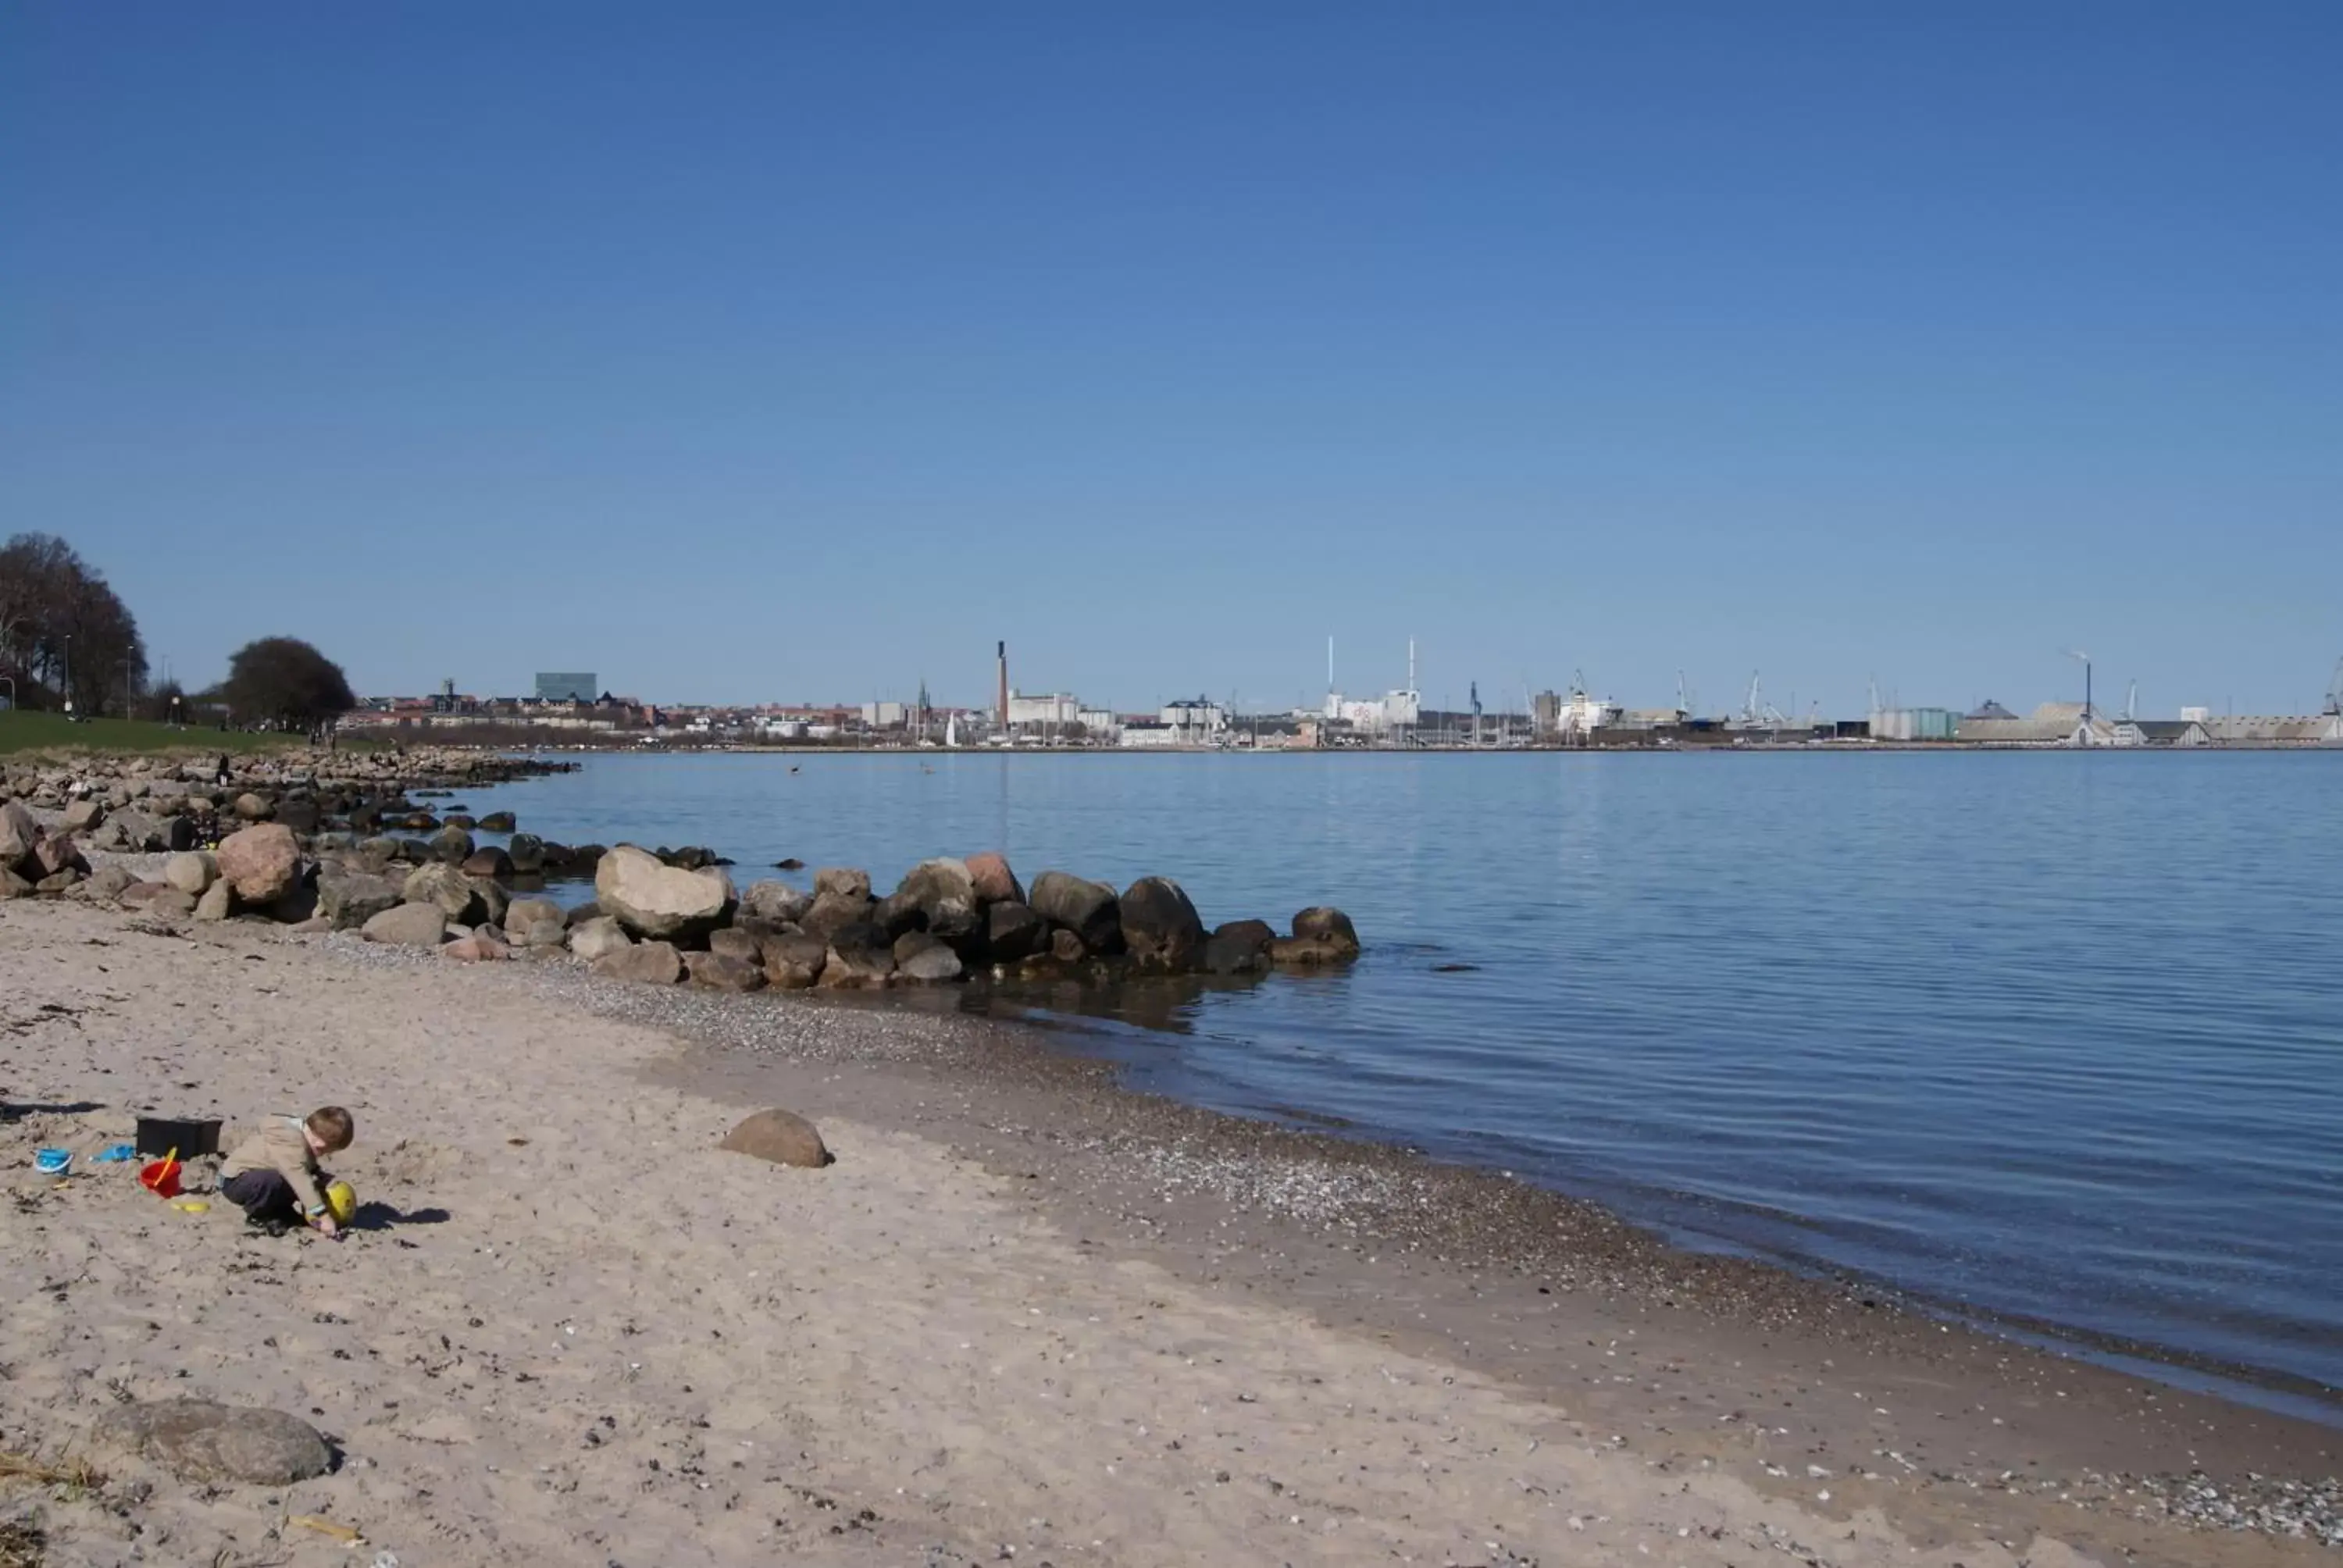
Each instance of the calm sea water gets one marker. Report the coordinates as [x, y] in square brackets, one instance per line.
[2058, 1036]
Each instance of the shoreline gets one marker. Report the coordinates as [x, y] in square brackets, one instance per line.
[1661, 1364]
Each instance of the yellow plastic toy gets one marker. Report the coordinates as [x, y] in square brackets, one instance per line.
[191, 1206]
[342, 1200]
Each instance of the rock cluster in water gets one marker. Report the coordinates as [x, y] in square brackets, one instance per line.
[353, 851]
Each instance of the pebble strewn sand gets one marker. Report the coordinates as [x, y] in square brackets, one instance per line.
[573, 1331]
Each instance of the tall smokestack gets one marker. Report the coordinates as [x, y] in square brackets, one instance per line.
[1000, 655]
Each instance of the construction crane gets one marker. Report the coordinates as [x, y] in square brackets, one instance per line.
[1755, 711]
[2131, 703]
[2334, 692]
[1684, 696]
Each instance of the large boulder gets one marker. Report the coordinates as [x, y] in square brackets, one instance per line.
[775, 903]
[782, 1137]
[350, 899]
[13, 886]
[723, 971]
[191, 872]
[733, 942]
[113, 881]
[834, 910]
[498, 822]
[523, 913]
[649, 963]
[995, 882]
[526, 851]
[253, 807]
[1013, 931]
[83, 814]
[407, 926]
[794, 962]
[856, 961]
[445, 888]
[659, 903]
[597, 938]
[926, 959]
[491, 864]
[218, 903]
[1160, 927]
[261, 862]
[944, 894]
[1089, 909]
[1319, 923]
[1239, 947]
[19, 831]
[841, 880]
[453, 845]
[204, 1443]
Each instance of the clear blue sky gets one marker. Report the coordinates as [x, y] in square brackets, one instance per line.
[759, 350]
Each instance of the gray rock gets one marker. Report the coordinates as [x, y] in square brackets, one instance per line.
[448, 891]
[597, 938]
[218, 903]
[856, 966]
[253, 807]
[83, 814]
[777, 902]
[419, 925]
[944, 894]
[782, 1137]
[111, 881]
[841, 880]
[652, 963]
[202, 1442]
[1089, 909]
[732, 942]
[1309, 952]
[169, 901]
[835, 910]
[348, 900]
[722, 971]
[528, 852]
[794, 962]
[523, 913]
[19, 831]
[192, 872]
[926, 959]
[542, 933]
[13, 886]
[661, 902]
[453, 845]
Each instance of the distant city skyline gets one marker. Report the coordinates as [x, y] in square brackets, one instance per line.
[801, 353]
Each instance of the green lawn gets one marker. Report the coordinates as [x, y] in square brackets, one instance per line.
[23, 734]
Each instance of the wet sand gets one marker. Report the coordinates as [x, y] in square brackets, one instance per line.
[1026, 1309]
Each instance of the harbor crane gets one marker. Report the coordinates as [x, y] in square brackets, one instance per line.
[2334, 692]
[1755, 712]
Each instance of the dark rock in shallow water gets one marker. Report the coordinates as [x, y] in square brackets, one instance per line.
[792, 864]
[202, 1442]
[1239, 947]
[453, 845]
[1322, 924]
[1066, 948]
[926, 959]
[527, 852]
[498, 822]
[1089, 909]
[1309, 952]
[1013, 931]
[1161, 928]
[944, 893]
[492, 863]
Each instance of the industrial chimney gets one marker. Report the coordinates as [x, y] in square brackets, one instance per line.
[1001, 656]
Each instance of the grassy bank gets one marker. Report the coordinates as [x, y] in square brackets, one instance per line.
[32, 734]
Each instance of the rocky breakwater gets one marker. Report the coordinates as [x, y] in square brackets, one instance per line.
[947, 921]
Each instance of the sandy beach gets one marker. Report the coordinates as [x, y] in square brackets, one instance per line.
[1025, 1317]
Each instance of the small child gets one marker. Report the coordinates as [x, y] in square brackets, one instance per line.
[272, 1176]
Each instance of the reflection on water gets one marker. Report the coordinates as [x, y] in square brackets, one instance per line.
[2053, 1034]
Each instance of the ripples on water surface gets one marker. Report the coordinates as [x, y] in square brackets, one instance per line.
[2055, 1035]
